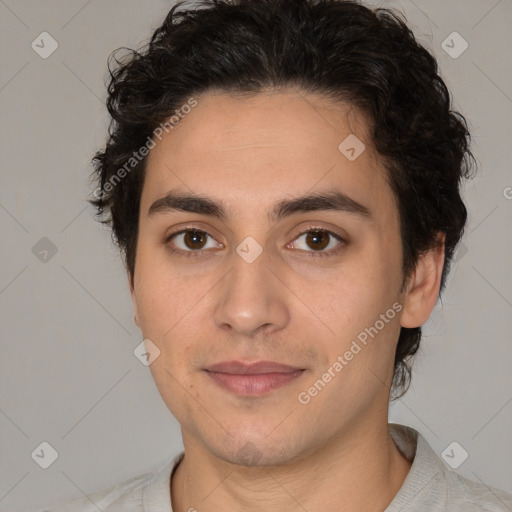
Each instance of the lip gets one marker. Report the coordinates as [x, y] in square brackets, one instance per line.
[252, 379]
[256, 368]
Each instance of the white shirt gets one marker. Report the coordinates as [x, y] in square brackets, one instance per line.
[430, 486]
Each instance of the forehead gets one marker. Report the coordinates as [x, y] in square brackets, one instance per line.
[285, 119]
[240, 148]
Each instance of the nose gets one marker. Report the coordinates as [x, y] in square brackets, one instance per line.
[252, 299]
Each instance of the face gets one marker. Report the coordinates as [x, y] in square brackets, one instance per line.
[255, 272]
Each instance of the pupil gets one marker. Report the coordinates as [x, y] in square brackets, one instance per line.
[314, 238]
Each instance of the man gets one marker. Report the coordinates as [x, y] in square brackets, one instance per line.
[282, 177]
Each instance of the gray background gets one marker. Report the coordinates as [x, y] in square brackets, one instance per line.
[68, 373]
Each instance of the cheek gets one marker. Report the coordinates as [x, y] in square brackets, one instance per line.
[164, 295]
[171, 310]
[178, 392]
[350, 304]
[351, 298]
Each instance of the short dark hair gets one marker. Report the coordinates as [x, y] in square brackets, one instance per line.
[339, 49]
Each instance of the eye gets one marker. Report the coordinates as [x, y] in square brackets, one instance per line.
[316, 242]
[321, 241]
[191, 240]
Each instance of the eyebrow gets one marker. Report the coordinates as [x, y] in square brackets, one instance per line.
[191, 203]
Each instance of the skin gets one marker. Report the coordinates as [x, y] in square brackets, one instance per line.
[333, 453]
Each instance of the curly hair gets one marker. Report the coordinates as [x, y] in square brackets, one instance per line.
[339, 49]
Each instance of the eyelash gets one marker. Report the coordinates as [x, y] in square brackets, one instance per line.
[314, 254]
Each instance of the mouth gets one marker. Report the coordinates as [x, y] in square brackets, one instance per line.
[252, 379]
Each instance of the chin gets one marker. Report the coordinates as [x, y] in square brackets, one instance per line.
[253, 450]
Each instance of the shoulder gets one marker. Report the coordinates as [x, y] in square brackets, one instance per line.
[433, 486]
[148, 491]
[472, 496]
[125, 496]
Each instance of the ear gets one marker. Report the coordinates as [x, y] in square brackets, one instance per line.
[422, 290]
[134, 299]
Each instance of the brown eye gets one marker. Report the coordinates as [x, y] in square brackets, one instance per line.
[195, 239]
[191, 241]
[317, 240]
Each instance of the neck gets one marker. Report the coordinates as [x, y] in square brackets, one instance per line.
[360, 469]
